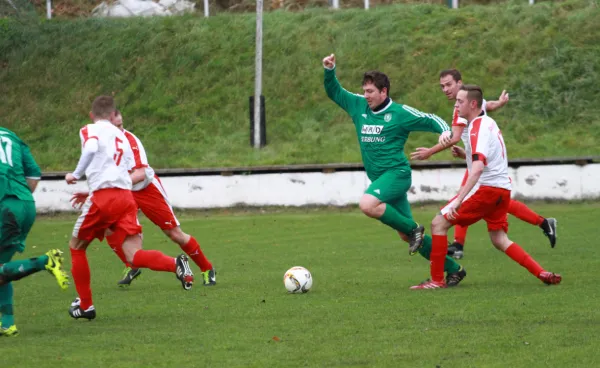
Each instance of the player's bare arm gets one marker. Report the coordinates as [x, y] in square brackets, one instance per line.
[501, 101]
[446, 140]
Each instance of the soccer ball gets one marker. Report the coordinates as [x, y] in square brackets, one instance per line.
[297, 280]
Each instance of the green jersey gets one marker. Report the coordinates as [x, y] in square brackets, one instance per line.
[382, 134]
[16, 165]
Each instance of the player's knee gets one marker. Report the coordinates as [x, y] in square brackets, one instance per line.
[500, 241]
[439, 224]
[368, 207]
[177, 235]
[76, 243]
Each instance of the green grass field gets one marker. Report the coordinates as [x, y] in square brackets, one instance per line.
[360, 312]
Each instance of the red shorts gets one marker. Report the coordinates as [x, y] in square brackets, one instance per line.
[108, 209]
[154, 203]
[487, 203]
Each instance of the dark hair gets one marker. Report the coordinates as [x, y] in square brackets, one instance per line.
[378, 79]
[473, 93]
[453, 72]
[103, 106]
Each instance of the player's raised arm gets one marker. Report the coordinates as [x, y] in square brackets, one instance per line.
[346, 100]
[495, 105]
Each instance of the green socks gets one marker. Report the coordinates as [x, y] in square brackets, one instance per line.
[16, 270]
[6, 305]
[396, 221]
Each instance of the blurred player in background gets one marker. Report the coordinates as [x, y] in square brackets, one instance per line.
[151, 198]
[105, 152]
[484, 196]
[383, 127]
[19, 176]
[450, 83]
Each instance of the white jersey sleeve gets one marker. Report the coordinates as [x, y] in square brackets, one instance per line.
[139, 161]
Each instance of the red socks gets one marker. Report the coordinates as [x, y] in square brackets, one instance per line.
[518, 255]
[80, 269]
[439, 248]
[192, 249]
[154, 260]
[460, 234]
[522, 212]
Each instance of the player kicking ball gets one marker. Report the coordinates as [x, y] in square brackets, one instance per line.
[19, 176]
[485, 195]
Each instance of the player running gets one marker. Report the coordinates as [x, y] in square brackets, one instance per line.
[382, 127]
[485, 195]
[19, 176]
[105, 151]
[151, 197]
[450, 83]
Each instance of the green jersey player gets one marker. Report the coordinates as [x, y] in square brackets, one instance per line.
[382, 127]
[19, 176]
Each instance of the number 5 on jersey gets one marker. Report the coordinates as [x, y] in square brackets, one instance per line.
[117, 156]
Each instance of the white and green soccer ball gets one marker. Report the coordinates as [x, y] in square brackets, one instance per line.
[297, 280]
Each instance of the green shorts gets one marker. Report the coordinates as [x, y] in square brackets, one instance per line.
[391, 188]
[17, 219]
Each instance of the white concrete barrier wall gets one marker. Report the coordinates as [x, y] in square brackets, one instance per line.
[561, 182]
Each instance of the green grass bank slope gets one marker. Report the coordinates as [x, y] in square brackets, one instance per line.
[183, 82]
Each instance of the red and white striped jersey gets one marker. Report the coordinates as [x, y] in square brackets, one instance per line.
[458, 121]
[485, 141]
[108, 168]
[140, 160]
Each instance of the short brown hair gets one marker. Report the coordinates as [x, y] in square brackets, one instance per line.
[378, 79]
[103, 106]
[473, 93]
[453, 72]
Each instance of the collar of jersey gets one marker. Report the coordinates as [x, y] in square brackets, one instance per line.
[385, 108]
[104, 121]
